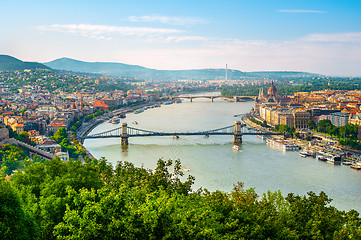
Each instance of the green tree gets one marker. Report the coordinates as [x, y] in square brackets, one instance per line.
[311, 124]
[60, 135]
[15, 222]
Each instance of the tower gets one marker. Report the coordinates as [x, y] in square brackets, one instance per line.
[237, 135]
[226, 72]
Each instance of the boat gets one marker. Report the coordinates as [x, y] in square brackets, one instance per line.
[110, 121]
[303, 154]
[236, 148]
[185, 169]
[135, 122]
[334, 159]
[178, 101]
[115, 120]
[168, 103]
[321, 158]
[356, 166]
[157, 105]
[347, 163]
[176, 137]
[122, 115]
[138, 111]
[307, 153]
[283, 144]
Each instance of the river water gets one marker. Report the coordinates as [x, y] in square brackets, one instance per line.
[213, 162]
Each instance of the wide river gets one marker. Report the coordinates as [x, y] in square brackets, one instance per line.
[213, 162]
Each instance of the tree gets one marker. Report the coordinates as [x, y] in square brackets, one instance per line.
[311, 124]
[60, 135]
[15, 222]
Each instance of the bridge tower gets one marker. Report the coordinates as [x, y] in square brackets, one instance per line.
[237, 137]
[124, 136]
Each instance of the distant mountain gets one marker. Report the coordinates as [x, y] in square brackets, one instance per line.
[10, 63]
[135, 71]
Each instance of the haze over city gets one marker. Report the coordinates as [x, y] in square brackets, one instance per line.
[312, 36]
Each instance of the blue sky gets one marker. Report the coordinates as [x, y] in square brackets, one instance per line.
[314, 36]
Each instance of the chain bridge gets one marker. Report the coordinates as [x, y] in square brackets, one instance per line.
[125, 132]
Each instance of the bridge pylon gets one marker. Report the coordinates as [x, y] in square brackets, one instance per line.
[237, 137]
[124, 136]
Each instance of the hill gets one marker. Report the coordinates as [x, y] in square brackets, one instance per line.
[10, 63]
[135, 71]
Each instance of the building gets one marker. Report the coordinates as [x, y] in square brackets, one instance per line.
[339, 119]
[301, 118]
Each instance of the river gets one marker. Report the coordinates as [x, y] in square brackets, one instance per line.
[213, 162]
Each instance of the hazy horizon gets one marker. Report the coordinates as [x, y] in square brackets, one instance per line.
[322, 37]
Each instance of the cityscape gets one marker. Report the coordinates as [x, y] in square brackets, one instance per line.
[180, 120]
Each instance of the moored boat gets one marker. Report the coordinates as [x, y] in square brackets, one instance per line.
[334, 159]
[115, 120]
[355, 166]
[283, 144]
[138, 111]
[321, 158]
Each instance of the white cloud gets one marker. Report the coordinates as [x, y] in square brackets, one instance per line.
[299, 11]
[350, 37]
[167, 20]
[99, 31]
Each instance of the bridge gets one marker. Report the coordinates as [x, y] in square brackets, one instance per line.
[125, 132]
[193, 97]
[234, 98]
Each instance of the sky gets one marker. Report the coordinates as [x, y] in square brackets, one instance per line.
[318, 36]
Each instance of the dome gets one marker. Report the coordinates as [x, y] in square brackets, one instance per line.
[272, 90]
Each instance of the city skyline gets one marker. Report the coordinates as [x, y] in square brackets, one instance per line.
[320, 37]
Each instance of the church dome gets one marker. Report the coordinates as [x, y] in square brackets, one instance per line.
[272, 90]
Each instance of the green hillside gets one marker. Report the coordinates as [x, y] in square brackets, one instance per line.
[11, 63]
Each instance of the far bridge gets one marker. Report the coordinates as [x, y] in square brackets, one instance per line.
[193, 97]
[125, 132]
[233, 99]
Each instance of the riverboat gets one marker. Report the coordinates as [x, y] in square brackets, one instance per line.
[356, 166]
[307, 153]
[347, 163]
[115, 120]
[236, 148]
[283, 144]
[321, 157]
[138, 111]
[334, 159]
[303, 154]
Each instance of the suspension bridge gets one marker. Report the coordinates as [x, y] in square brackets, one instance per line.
[125, 132]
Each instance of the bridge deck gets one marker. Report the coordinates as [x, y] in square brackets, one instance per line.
[182, 134]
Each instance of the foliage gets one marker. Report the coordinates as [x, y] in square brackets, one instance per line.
[15, 222]
[61, 137]
[97, 113]
[11, 158]
[282, 128]
[71, 200]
